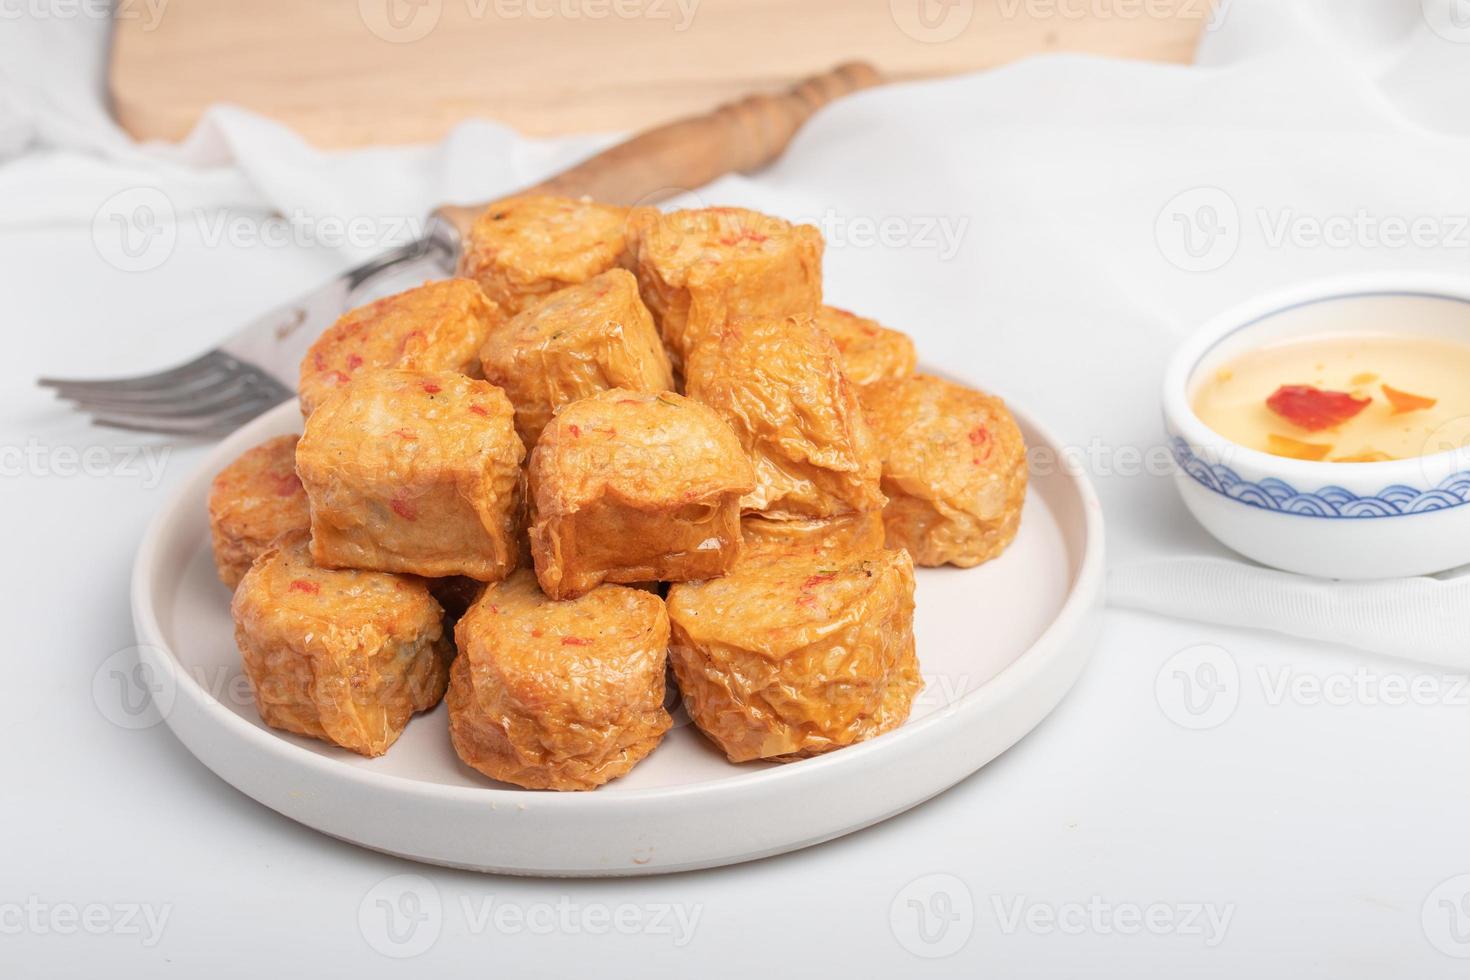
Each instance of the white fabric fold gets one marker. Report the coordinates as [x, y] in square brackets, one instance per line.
[1420, 619]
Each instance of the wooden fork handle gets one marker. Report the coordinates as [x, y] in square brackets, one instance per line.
[688, 153]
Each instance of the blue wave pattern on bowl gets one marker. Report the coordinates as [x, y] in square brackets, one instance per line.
[1329, 502]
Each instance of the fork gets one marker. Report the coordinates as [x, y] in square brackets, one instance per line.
[256, 368]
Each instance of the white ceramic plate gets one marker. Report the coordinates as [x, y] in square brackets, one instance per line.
[999, 646]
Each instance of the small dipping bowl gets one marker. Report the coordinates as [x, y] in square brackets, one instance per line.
[1331, 520]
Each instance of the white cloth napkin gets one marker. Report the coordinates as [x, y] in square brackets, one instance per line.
[1007, 220]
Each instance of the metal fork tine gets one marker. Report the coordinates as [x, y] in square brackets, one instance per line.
[165, 413]
[210, 431]
[203, 364]
[211, 396]
[205, 425]
[142, 398]
[200, 401]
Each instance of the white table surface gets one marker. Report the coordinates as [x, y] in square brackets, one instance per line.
[1319, 830]
[1301, 836]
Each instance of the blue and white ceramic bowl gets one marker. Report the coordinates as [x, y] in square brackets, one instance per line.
[1331, 520]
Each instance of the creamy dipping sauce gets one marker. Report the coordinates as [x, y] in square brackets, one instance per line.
[1347, 399]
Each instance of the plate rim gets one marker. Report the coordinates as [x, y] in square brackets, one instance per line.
[1082, 600]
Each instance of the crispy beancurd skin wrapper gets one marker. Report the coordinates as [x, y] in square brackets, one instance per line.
[870, 351]
[524, 248]
[954, 469]
[790, 656]
[631, 487]
[415, 472]
[579, 341]
[559, 695]
[850, 534]
[699, 268]
[253, 501]
[779, 383]
[343, 656]
[439, 326]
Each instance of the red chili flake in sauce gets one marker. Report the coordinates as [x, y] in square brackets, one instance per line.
[404, 509]
[354, 361]
[575, 641]
[536, 633]
[318, 361]
[816, 580]
[302, 585]
[1314, 409]
[337, 377]
[575, 430]
[405, 433]
[432, 388]
[479, 410]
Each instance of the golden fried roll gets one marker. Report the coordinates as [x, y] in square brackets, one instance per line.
[790, 655]
[954, 469]
[558, 695]
[778, 381]
[870, 351]
[850, 534]
[579, 341]
[630, 486]
[523, 248]
[343, 656]
[253, 501]
[439, 326]
[413, 471]
[698, 268]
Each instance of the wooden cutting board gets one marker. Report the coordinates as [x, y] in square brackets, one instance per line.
[354, 72]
